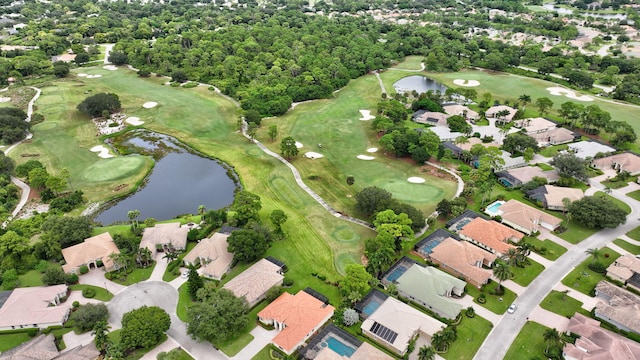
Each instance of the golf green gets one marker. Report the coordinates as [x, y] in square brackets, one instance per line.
[413, 193]
[114, 168]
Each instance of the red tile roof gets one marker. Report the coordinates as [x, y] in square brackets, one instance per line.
[491, 234]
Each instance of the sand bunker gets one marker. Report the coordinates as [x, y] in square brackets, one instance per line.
[135, 121]
[149, 104]
[4, 99]
[299, 145]
[102, 151]
[415, 180]
[559, 91]
[467, 83]
[94, 76]
[110, 67]
[82, 75]
[366, 115]
[365, 157]
[372, 150]
[313, 155]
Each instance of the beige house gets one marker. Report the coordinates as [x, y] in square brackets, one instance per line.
[89, 252]
[44, 347]
[461, 110]
[253, 283]
[626, 269]
[165, 236]
[552, 197]
[526, 218]
[394, 324]
[535, 125]
[34, 307]
[490, 235]
[555, 136]
[618, 307]
[493, 112]
[596, 343]
[625, 161]
[432, 118]
[212, 255]
[519, 176]
[463, 259]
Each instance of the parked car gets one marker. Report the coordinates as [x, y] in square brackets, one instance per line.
[185, 274]
[512, 308]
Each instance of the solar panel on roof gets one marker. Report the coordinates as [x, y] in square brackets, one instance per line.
[383, 332]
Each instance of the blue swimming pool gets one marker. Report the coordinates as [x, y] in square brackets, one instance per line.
[372, 306]
[505, 182]
[396, 273]
[460, 224]
[493, 208]
[339, 347]
[426, 249]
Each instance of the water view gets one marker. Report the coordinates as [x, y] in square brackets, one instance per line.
[418, 83]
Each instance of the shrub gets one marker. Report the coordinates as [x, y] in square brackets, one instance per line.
[76, 304]
[72, 279]
[143, 73]
[84, 269]
[350, 317]
[42, 266]
[88, 293]
[32, 332]
[597, 267]
[287, 282]
[99, 263]
[190, 85]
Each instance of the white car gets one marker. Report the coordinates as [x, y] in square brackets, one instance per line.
[512, 308]
[185, 274]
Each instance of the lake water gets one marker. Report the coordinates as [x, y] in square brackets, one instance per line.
[179, 182]
[418, 83]
[564, 11]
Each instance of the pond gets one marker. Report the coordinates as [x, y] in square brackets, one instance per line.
[565, 11]
[418, 83]
[180, 181]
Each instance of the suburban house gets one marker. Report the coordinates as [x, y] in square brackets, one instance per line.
[165, 237]
[430, 118]
[88, 253]
[212, 256]
[394, 324]
[625, 161]
[457, 149]
[626, 269]
[34, 307]
[510, 162]
[444, 133]
[253, 283]
[68, 57]
[296, 317]
[461, 110]
[44, 347]
[618, 307]
[555, 136]
[431, 288]
[596, 343]
[526, 218]
[589, 149]
[463, 260]
[551, 197]
[517, 177]
[490, 235]
[497, 111]
[535, 125]
[346, 346]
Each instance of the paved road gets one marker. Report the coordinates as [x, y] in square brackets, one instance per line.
[504, 333]
[107, 50]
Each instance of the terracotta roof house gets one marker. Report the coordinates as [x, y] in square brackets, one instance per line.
[432, 289]
[535, 125]
[63, 57]
[526, 218]
[43, 347]
[431, 118]
[89, 252]
[551, 196]
[626, 269]
[490, 235]
[170, 235]
[589, 149]
[34, 307]
[254, 282]
[461, 110]
[333, 343]
[296, 317]
[394, 324]
[555, 136]
[463, 259]
[493, 112]
[624, 161]
[596, 343]
[618, 307]
[212, 255]
[522, 175]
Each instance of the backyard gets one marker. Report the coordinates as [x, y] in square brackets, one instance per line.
[471, 334]
[584, 279]
[563, 304]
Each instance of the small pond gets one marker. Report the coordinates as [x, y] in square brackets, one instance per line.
[565, 11]
[180, 181]
[559, 10]
[418, 83]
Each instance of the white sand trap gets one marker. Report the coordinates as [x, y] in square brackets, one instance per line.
[135, 121]
[299, 145]
[149, 104]
[365, 157]
[467, 83]
[102, 151]
[82, 75]
[94, 76]
[5, 99]
[415, 180]
[110, 67]
[372, 150]
[313, 155]
[559, 91]
[366, 115]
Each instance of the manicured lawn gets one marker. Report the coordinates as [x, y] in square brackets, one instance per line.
[184, 300]
[179, 354]
[234, 347]
[136, 276]
[102, 294]
[551, 151]
[410, 63]
[620, 203]
[493, 301]
[562, 304]
[544, 166]
[633, 249]
[264, 354]
[169, 276]
[529, 344]
[546, 248]
[31, 278]
[585, 280]
[11, 339]
[576, 232]
[471, 334]
[619, 184]
[524, 275]
[634, 195]
[634, 234]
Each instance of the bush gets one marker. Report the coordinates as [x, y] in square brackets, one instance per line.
[99, 263]
[84, 269]
[32, 332]
[597, 267]
[89, 293]
[42, 266]
[76, 304]
[144, 73]
[72, 279]
[190, 85]
[287, 282]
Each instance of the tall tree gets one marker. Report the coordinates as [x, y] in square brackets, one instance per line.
[502, 272]
[220, 317]
[247, 245]
[524, 100]
[194, 281]
[144, 327]
[246, 208]
[356, 280]
[288, 147]
[544, 104]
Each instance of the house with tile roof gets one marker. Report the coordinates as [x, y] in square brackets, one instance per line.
[490, 235]
[626, 269]
[535, 125]
[88, 253]
[551, 197]
[394, 324]
[431, 118]
[494, 111]
[212, 256]
[618, 307]
[522, 175]
[43, 347]
[463, 260]
[253, 283]
[351, 347]
[596, 343]
[35, 307]
[589, 149]
[296, 317]
[431, 288]
[625, 161]
[461, 110]
[165, 236]
[526, 218]
[556, 136]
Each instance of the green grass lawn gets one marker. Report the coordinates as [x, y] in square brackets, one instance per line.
[11, 339]
[551, 151]
[471, 334]
[410, 63]
[585, 280]
[529, 344]
[634, 195]
[633, 249]
[621, 204]
[233, 346]
[264, 354]
[564, 305]
[169, 276]
[576, 232]
[136, 276]
[523, 276]
[619, 184]
[31, 278]
[544, 166]
[634, 234]
[553, 250]
[102, 294]
[184, 300]
[493, 301]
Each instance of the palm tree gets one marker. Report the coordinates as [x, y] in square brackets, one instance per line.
[143, 256]
[426, 353]
[133, 215]
[552, 337]
[513, 257]
[201, 209]
[524, 100]
[100, 330]
[525, 248]
[461, 140]
[438, 341]
[502, 272]
[170, 256]
[595, 254]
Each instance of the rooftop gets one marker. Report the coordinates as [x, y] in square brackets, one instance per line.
[554, 136]
[618, 305]
[213, 255]
[491, 234]
[624, 161]
[96, 247]
[589, 149]
[163, 234]
[494, 110]
[527, 173]
[28, 306]
[625, 266]
[553, 195]
[254, 282]
[596, 343]
[534, 125]
[526, 216]
[464, 258]
[460, 110]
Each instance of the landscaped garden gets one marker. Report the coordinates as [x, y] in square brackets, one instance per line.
[563, 304]
[99, 293]
[631, 248]
[471, 334]
[548, 249]
[583, 279]
[634, 195]
[529, 344]
[496, 303]
[634, 234]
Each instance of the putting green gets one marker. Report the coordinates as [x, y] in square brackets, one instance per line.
[345, 234]
[413, 193]
[254, 152]
[114, 168]
[284, 192]
[344, 259]
[46, 126]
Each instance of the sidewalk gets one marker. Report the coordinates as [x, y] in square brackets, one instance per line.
[539, 259]
[261, 337]
[96, 277]
[467, 301]
[546, 235]
[509, 284]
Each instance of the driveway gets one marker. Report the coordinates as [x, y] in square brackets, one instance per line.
[149, 293]
[96, 277]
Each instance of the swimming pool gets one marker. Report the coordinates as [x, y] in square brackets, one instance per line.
[372, 306]
[426, 249]
[460, 224]
[505, 182]
[494, 209]
[339, 347]
[396, 273]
